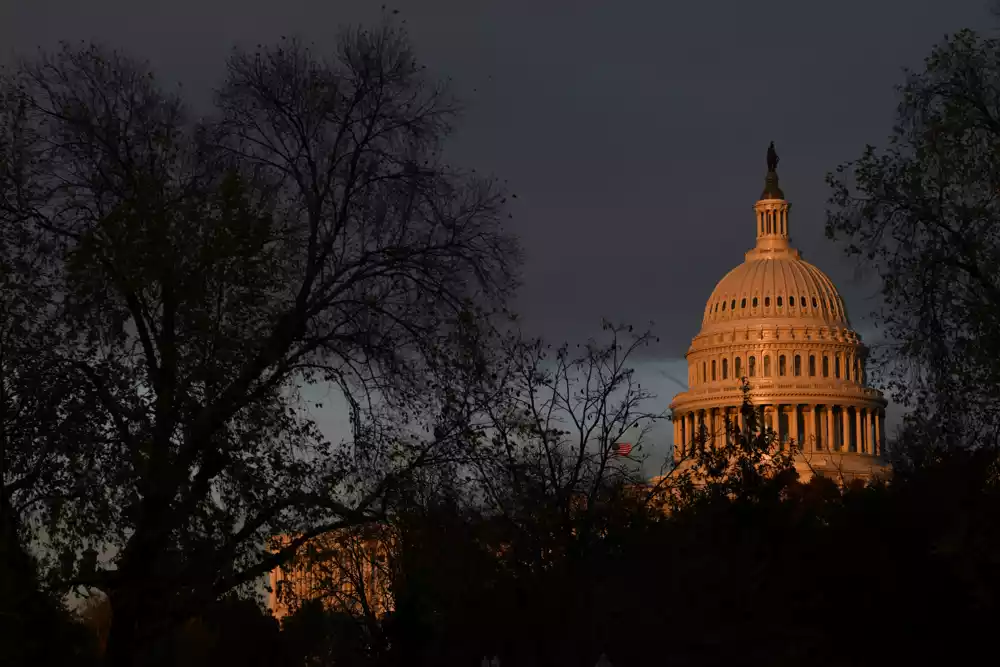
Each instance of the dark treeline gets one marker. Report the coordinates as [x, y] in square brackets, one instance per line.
[173, 289]
[781, 574]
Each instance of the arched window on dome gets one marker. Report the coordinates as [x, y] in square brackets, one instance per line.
[791, 302]
[752, 366]
[767, 302]
[767, 365]
[826, 366]
[779, 302]
[713, 370]
[732, 306]
[802, 301]
[812, 365]
[797, 366]
[836, 365]
[815, 305]
[737, 371]
[781, 365]
[725, 369]
[755, 302]
[723, 305]
[743, 303]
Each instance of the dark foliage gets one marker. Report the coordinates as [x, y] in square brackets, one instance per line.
[171, 285]
[802, 573]
[923, 215]
[35, 627]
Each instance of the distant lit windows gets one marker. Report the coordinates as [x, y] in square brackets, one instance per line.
[781, 365]
[812, 365]
[752, 366]
[797, 366]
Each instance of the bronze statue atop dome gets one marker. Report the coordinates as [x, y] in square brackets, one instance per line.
[771, 188]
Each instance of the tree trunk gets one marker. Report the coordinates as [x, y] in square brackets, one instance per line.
[124, 647]
[140, 614]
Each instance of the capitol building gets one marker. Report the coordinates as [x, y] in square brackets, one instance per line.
[778, 322]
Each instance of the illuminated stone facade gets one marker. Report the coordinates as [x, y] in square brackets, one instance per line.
[347, 571]
[779, 322]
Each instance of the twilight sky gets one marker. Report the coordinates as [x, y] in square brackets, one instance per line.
[634, 133]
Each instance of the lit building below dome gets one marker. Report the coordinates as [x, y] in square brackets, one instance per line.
[780, 323]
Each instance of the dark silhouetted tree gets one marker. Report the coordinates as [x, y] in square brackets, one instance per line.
[203, 272]
[924, 213]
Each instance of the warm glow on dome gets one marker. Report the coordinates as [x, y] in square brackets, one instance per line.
[779, 323]
[763, 289]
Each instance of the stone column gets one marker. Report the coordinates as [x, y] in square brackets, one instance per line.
[793, 424]
[828, 441]
[845, 438]
[692, 430]
[879, 431]
[869, 442]
[685, 430]
[808, 428]
[858, 421]
[699, 423]
[677, 437]
[870, 429]
[710, 428]
[779, 433]
[866, 415]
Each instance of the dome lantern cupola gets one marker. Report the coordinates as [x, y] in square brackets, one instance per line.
[771, 210]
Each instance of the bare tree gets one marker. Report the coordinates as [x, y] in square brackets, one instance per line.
[553, 454]
[203, 272]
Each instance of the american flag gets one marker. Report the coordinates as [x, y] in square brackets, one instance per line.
[622, 448]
